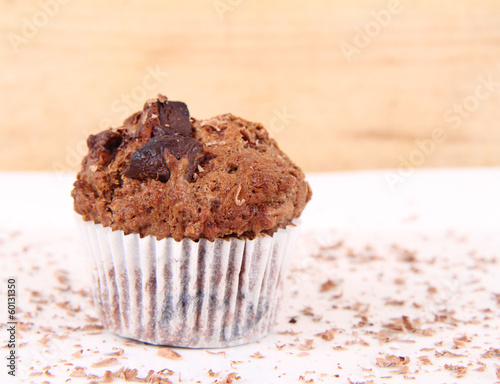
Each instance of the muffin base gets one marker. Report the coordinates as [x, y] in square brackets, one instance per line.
[187, 294]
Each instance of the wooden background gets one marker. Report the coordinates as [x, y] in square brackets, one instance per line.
[72, 67]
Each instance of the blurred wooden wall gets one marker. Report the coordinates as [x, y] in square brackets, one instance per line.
[341, 85]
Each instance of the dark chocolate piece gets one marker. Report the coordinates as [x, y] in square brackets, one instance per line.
[149, 162]
[108, 140]
[165, 118]
[184, 145]
[181, 145]
[169, 126]
[104, 145]
[174, 119]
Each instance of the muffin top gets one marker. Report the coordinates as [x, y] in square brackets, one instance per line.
[165, 174]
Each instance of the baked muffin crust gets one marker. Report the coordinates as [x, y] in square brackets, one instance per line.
[165, 174]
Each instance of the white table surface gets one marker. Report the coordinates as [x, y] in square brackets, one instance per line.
[415, 273]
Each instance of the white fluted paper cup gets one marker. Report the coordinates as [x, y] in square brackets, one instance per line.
[197, 294]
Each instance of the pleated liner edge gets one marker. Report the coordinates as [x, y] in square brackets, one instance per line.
[187, 294]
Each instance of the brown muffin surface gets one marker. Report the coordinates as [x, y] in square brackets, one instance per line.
[168, 175]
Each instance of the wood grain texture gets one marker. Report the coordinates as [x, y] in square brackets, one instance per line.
[91, 63]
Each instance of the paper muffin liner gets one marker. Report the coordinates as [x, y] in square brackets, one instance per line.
[197, 294]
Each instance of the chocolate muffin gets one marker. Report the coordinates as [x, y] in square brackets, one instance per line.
[163, 174]
[189, 225]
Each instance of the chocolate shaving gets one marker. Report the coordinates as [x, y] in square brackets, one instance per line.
[257, 355]
[392, 361]
[328, 335]
[448, 354]
[457, 370]
[327, 286]
[168, 353]
[105, 362]
[425, 360]
[308, 344]
[78, 372]
[492, 352]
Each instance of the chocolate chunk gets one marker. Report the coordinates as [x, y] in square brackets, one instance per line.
[164, 118]
[104, 145]
[149, 161]
[181, 145]
[185, 145]
[108, 140]
[168, 125]
[174, 119]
